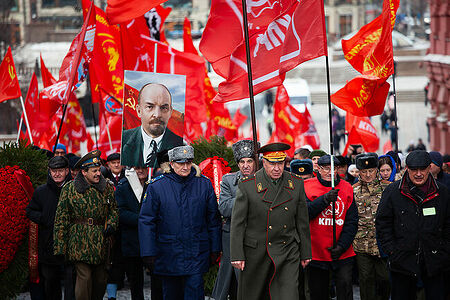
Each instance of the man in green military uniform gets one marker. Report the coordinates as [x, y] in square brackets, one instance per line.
[86, 216]
[373, 272]
[270, 237]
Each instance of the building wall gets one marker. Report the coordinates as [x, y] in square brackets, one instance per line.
[438, 68]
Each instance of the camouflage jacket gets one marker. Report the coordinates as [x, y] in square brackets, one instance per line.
[367, 197]
[80, 200]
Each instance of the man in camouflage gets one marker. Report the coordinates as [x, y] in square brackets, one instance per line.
[86, 215]
[373, 272]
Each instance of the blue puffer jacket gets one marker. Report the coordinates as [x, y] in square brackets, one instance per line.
[179, 224]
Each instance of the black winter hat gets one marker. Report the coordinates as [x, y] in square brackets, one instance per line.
[418, 159]
[58, 162]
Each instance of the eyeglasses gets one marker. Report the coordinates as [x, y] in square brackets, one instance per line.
[326, 169]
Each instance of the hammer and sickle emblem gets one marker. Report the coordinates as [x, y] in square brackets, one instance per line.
[11, 72]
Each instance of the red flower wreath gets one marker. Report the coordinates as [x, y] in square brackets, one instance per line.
[13, 221]
[210, 167]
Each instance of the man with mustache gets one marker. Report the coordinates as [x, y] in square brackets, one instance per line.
[141, 144]
[413, 229]
[86, 216]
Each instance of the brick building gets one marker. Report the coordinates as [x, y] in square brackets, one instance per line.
[438, 68]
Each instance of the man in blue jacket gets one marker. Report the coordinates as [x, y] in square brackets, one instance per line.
[179, 227]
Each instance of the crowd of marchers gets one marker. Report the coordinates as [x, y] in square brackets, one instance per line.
[303, 228]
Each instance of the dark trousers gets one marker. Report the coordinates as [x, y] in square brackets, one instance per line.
[52, 276]
[156, 287]
[404, 287]
[134, 270]
[373, 277]
[91, 281]
[189, 287]
[319, 282]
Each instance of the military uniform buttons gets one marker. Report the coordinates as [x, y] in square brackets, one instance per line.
[270, 244]
[270, 226]
[286, 208]
[284, 226]
[284, 242]
[270, 209]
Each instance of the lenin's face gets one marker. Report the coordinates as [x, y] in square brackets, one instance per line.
[154, 109]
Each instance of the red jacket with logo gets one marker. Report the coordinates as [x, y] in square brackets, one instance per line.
[321, 225]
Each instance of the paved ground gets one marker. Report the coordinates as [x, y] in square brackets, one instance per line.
[124, 294]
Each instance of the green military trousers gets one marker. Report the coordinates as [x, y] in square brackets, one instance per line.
[373, 277]
[91, 281]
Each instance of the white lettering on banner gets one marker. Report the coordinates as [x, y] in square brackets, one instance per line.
[274, 35]
[56, 90]
[329, 221]
[265, 4]
[367, 127]
[89, 39]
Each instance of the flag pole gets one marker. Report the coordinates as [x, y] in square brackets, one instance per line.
[107, 132]
[395, 107]
[250, 79]
[95, 124]
[155, 60]
[72, 77]
[93, 114]
[330, 123]
[20, 128]
[26, 120]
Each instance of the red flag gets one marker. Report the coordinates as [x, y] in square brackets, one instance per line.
[106, 67]
[47, 77]
[219, 120]
[74, 66]
[289, 123]
[311, 136]
[187, 37]
[121, 11]
[155, 19]
[370, 50]
[32, 107]
[282, 34]
[362, 96]
[361, 132]
[9, 84]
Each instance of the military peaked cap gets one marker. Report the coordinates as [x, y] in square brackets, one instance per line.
[366, 161]
[90, 160]
[274, 152]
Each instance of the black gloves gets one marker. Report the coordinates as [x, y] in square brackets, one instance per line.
[331, 196]
[336, 252]
[149, 262]
[109, 231]
[214, 258]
